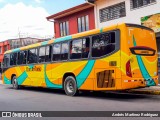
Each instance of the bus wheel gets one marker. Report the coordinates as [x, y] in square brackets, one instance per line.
[70, 86]
[15, 83]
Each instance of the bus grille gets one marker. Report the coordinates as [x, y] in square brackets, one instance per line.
[105, 79]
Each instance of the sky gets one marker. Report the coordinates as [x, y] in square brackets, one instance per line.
[27, 18]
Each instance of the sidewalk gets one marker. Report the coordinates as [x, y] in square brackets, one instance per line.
[0, 81]
[153, 90]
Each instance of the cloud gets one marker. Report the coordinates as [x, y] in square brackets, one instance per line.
[38, 1]
[23, 19]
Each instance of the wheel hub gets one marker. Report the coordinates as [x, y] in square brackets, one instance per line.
[70, 86]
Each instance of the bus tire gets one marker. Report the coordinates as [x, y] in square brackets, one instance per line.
[15, 83]
[70, 86]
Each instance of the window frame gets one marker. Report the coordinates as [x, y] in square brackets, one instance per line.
[138, 7]
[0, 49]
[89, 54]
[53, 51]
[25, 58]
[117, 48]
[68, 50]
[50, 45]
[80, 39]
[5, 48]
[64, 28]
[44, 53]
[8, 61]
[10, 58]
[86, 21]
[117, 43]
[108, 8]
[28, 55]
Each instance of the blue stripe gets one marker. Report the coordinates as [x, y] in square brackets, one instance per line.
[145, 74]
[6, 80]
[16, 50]
[31, 66]
[48, 82]
[83, 75]
[22, 78]
[63, 39]
[44, 43]
[101, 30]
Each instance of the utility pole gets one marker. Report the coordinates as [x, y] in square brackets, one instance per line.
[20, 40]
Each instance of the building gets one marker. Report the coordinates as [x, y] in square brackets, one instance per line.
[15, 43]
[144, 12]
[19, 42]
[74, 20]
[4, 46]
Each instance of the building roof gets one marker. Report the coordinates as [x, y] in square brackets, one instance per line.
[70, 11]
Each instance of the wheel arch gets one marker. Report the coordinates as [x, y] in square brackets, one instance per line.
[66, 75]
[12, 77]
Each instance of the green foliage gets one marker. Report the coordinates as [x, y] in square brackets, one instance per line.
[144, 18]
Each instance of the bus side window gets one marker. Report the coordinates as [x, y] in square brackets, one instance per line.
[64, 51]
[32, 56]
[85, 47]
[6, 61]
[48, 53]
[57, 52]
[103, 44]
[21, 57]
[13, 58]
[24, 57]
[76, 49]
[41, 54]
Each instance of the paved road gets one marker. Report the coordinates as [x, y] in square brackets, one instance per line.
[40, 99]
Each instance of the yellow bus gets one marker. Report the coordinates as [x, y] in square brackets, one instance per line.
[117, 57]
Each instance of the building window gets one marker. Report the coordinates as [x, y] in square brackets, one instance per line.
[140, 3]
[83, 23]
[5, 48]
[112, 12]
[64, 28]
[0, 50]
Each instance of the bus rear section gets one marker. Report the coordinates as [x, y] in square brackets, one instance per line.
[139, 61]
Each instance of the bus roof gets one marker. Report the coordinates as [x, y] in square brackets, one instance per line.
[78, 35]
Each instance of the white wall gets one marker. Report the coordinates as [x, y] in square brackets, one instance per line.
[132, 16]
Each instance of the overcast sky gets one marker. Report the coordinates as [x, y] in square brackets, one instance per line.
[28, 17]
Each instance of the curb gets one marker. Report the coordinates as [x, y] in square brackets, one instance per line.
[1, 82]
[151, 92]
